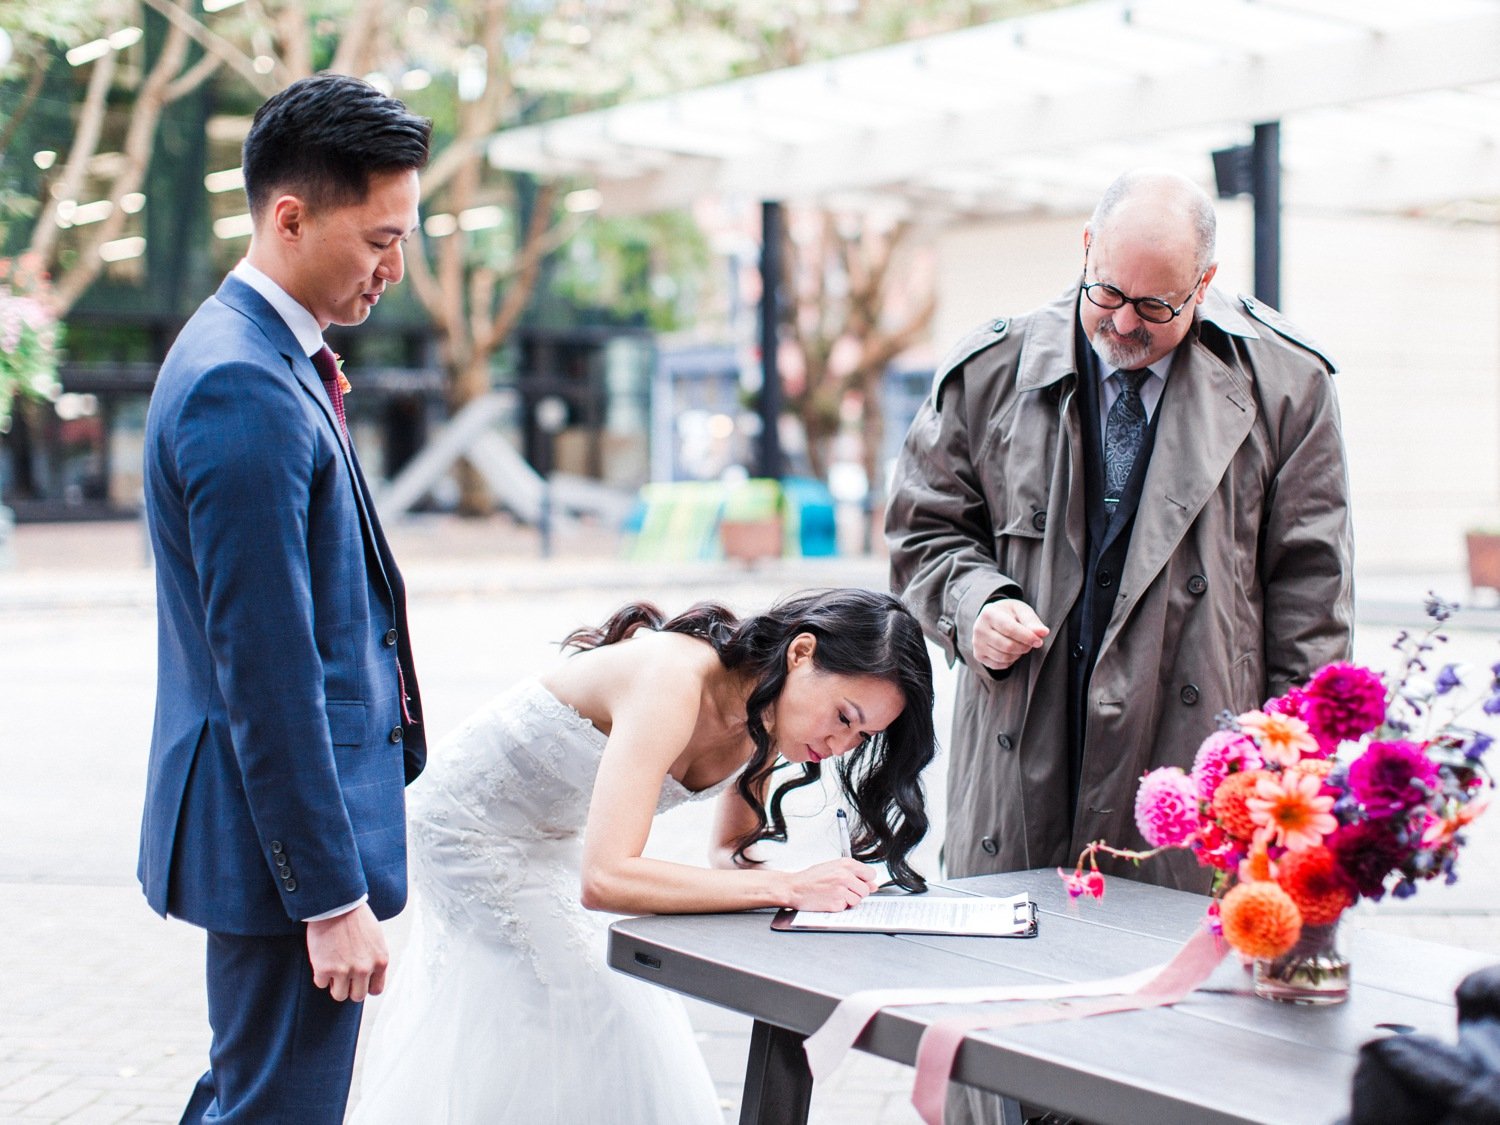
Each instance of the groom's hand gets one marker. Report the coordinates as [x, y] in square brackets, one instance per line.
[348, 954]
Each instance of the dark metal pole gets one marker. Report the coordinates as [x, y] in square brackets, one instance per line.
[770, 373]
[1265, 188]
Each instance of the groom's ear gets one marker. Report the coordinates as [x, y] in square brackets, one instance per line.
[288, 218]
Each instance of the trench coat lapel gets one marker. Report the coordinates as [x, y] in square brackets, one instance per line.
[1205, 415]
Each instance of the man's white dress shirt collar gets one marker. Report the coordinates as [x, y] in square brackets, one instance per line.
[298, 319]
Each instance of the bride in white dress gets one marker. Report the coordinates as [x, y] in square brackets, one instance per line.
[536, 811]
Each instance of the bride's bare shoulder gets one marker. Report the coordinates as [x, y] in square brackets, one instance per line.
[661, 668]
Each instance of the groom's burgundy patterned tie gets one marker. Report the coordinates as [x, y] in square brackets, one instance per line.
[1124, 433]
[328, 370]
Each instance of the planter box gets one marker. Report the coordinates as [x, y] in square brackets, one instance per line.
[748, 540]
[1484, 559]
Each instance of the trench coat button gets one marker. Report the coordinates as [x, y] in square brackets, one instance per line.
[1003, 741]
[1197, 584]
[989, 846]
[1189, 694]
[1039, 520]
[1000, 325]
[1078, 652]
[395, 734]
[390, 637]
[1105, 579]
[276, 848]
[290, 885]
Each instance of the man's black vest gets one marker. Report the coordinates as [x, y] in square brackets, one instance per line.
[1107, 541]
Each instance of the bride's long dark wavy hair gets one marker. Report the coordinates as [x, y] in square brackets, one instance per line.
[859, 633]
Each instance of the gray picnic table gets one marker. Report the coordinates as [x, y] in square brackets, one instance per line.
[1221, 1057]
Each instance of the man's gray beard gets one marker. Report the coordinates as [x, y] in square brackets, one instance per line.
[1128, 360]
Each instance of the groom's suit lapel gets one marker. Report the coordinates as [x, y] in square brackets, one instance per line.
[241, 297]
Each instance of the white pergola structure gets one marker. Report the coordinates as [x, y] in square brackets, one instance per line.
[1386, 105]
[998, 140]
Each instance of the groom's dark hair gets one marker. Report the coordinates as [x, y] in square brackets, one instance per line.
[321, 139]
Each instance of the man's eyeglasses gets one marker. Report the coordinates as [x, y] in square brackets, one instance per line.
[1150, 309]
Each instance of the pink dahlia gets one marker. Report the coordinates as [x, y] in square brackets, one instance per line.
[1222, 753]
[1392, 777]
[1343, 701]
[1166, 807]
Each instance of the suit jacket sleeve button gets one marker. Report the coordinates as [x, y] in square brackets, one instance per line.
[289, 884]
[276, 848]
[390, 637]
[395, 734]
[989, 846]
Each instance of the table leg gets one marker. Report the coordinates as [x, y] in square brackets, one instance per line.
[778, 1085]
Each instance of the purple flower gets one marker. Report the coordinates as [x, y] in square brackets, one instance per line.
[1492, 704]
[1344, 701]
[1392, 777]
[1447, 679]
[1367, 852]
[1478, 743]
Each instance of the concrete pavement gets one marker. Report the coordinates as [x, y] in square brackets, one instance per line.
[101, 1012]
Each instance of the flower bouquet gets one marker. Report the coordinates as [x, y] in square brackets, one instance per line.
[1348, 787]
[29, 334]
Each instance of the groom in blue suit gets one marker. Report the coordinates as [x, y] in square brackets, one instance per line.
[288, 720]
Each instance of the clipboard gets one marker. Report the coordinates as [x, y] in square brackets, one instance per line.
[1013, 917]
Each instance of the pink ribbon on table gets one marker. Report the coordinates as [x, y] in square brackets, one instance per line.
[1152, 987]
[1189, 968]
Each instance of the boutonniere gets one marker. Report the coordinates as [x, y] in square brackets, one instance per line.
[344, 387]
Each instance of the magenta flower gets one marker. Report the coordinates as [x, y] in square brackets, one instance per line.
[1166, 807]
[1222, 753]
[1080, 883]
[1343, 701]
[1367, 852]
[1392, 777]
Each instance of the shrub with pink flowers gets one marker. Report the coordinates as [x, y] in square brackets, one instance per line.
[30, 334]
[1346, 787]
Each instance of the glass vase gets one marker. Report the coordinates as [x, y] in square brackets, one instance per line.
[1314, 971]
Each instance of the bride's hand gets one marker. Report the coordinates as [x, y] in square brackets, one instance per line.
[835, 885]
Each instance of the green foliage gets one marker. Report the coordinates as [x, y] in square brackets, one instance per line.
[30, 335]
[642, 268]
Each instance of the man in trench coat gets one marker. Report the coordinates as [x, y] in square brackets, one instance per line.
[1109, 593]
[1100, 640]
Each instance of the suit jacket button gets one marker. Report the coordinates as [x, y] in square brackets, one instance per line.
[1189, 694]
[989, 846]
[1197, 584]
[1003, 741]
[276, 847]
[289, 884]
[282, 863]
[395, 734]
[390, 637]
[1039, 520]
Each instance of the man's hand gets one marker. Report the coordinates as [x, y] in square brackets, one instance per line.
[348, 954]
[1005, 631]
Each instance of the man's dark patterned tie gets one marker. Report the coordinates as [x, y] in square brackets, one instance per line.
[328, 370]
[1124, 433]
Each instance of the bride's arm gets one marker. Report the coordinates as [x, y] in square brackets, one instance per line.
[652, 723]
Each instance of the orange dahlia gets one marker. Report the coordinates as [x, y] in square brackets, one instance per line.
[1260, 920]
[1316, 883]
[1320, 767]
[1229, 803]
